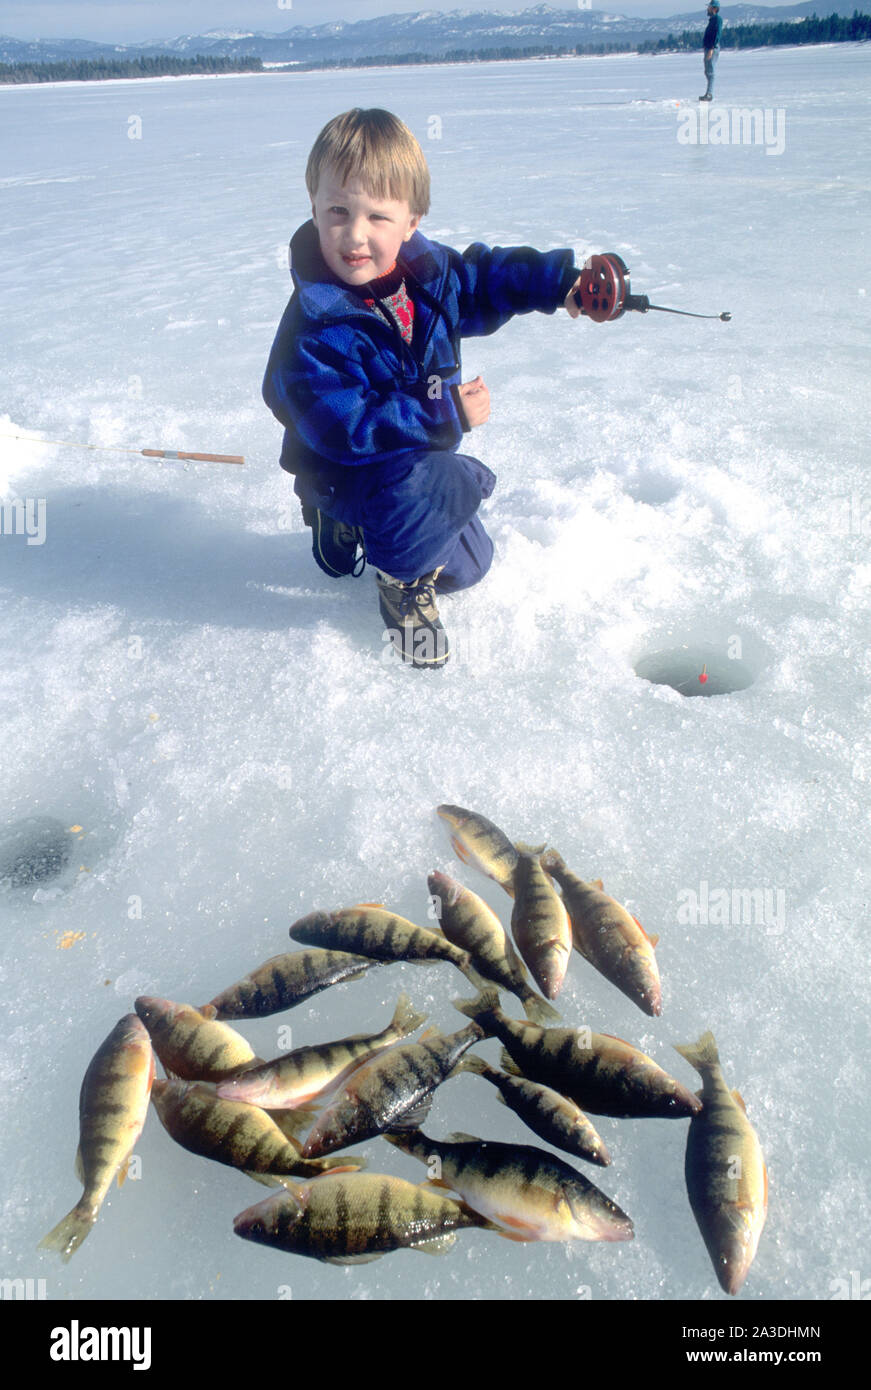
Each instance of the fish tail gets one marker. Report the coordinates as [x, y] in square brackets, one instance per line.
[551, 860]
[472, 1063]
[406, 1019]
[485, 1003]
[530, 849]
[538, 1010]
[509, 1065]
[701, 1054]
[67, 1235]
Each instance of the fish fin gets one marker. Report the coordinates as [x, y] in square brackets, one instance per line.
[459, 849]
[487, 999]
[700, 1054]
[347, 1164]
[551, 859]
[654, 940]
[518, 1236]
[458, 1137]
[67, 1235]
[123, 1170]
[290, 1122]
[432, 1034]
[351, 1259]
[538, 1010]
[405, 1019]
[535, 850]
[436, 1245]
[509, 1065]
[736, 1095]
[471, 1063]
[413, 1119]
[208, 1011]
[597, 883]
[79, 1167]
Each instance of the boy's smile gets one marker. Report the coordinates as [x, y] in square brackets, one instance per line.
[360, 235]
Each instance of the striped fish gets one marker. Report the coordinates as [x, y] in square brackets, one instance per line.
[371, 930]
[540, 924]
[609, 937]
[354, 1218]
[113, 1103]
[392, 1090]
[530, 1193]
[598, 1072]
[299, 1076]
[284, 981]
[471, 924]
[477, 841]
[554, 1118]
[190, 1042]
[240, 1136]
[726, 1177]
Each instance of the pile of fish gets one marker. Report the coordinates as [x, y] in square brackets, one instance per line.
[288, 1122]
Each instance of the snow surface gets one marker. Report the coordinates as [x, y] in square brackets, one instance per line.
[181, 682]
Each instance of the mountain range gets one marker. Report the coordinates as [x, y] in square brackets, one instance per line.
[428, 32]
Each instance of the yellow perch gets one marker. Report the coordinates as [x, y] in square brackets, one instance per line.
[600, 1073]
[609, 937]
[287, 980]
[371, 930]
[471, 924]
[726, 1177]
[356, 1217]
[540, 924]
[307, 1072]
[113, 1103]
[241, 1136]
[531, 1194]
[477, 841]
[190, 1043]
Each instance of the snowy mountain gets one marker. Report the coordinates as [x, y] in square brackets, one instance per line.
[430, 32]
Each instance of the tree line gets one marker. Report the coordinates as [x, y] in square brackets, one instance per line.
[834, 29]
[95, 69]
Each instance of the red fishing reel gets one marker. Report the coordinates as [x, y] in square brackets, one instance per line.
[604, 287]
[605, 294]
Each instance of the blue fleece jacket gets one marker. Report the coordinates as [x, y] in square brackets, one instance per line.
[350, 392]
[372, 423]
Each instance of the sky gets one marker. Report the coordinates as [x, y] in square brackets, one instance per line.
[128, 21]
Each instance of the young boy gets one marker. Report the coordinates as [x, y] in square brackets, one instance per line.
[364, 374]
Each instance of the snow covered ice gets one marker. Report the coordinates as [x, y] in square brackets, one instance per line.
[223, 724]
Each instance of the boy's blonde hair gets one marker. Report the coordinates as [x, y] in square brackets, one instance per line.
[375, 147]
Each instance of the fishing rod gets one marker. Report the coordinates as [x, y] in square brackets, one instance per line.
[604, 292]
[125, 449]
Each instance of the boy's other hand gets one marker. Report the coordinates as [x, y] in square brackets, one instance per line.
[571, 303]
[476, 401]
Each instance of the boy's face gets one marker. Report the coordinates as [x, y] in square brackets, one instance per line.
[360, 235]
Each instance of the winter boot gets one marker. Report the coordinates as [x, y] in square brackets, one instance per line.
[412, 619]
[335, 544]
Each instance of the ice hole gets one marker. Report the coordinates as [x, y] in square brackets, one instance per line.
[33, 850]
[681, 667]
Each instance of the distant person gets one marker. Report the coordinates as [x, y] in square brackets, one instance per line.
[365, 374]
[711, 46]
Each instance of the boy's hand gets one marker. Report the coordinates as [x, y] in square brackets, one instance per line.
[475, 400]
[571, 303]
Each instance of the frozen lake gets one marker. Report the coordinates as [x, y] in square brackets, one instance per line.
[179, 680]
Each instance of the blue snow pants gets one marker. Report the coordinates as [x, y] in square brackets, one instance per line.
[416, 517]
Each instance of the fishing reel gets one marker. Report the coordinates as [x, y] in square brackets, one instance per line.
[604, 293]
